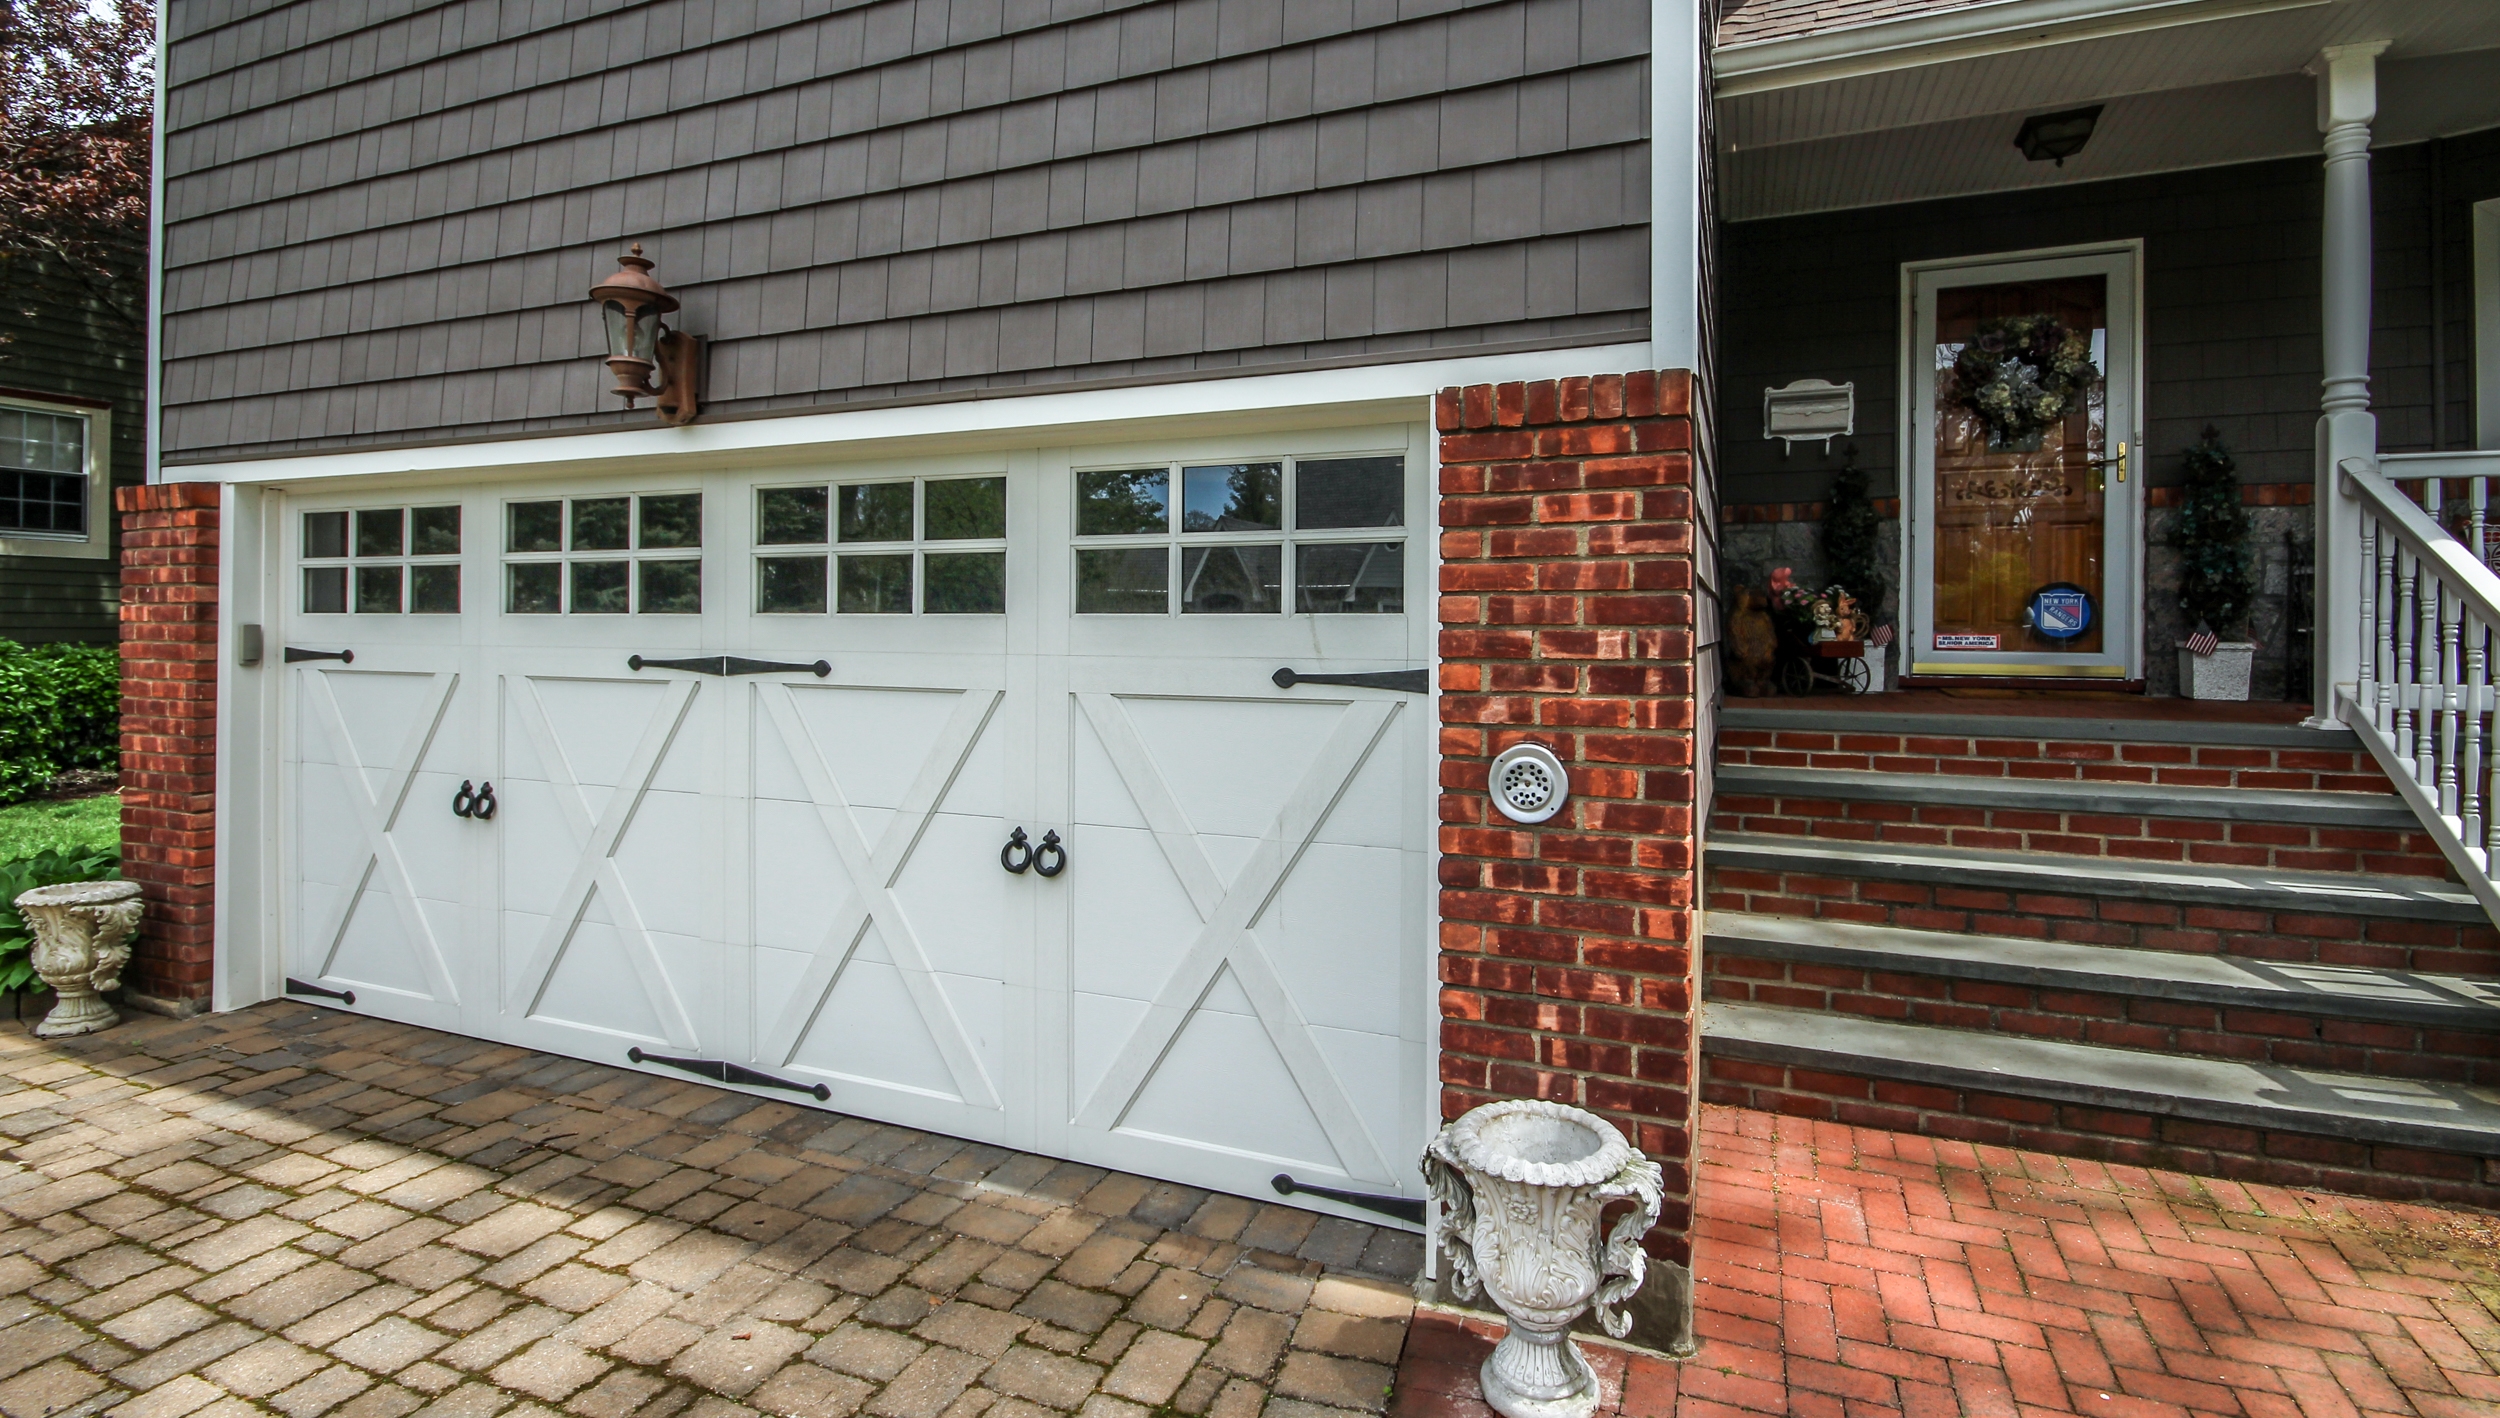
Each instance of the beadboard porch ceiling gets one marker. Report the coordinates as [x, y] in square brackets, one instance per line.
[1881, 113]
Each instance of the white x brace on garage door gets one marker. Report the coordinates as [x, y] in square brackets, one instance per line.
[1213, 964]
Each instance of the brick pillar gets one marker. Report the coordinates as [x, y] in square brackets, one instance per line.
[1568, 949]
[169, 737]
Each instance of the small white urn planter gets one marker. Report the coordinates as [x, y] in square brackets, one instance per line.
[81, 933]
[1521, 1185]
[2224, 674]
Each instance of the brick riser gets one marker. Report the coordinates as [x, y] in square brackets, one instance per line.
[2175, 1027]
[2110, 1135]
[2272, 845]
[2171, 765]
[2437, 947]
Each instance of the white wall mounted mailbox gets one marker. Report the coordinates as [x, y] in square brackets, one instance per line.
[1809, 410]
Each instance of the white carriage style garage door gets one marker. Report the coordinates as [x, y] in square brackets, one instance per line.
[1075, 800]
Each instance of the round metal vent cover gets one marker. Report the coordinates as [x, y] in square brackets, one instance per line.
[1529, 783]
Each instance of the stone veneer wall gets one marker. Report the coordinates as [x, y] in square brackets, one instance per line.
[1568, 949]
[169, 737]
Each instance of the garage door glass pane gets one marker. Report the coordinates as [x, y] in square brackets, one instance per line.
[961, 509]
[434, 590]
[538, 590]
[1123, 503]
[876, 512]
[967, 583]
[377, 590]
[1350, 578]
[790, 585]
[435, 531]
[874, 585]
[1233, 497]
[1350, 492]
[325, 534]
[1232, 580]
[378, 532]
[536, 526]
[1127, 581]
[599, 587]
[671, 587]
[673, 521]
[789, 515]
[325, 587]
[602, 523]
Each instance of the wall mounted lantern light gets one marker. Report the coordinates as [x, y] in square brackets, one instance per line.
[640, 344]
[2057, 135]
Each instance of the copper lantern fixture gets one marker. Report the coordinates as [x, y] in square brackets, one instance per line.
[640, 344]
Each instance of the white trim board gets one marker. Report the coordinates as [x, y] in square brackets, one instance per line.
[2486, 346]
[1367, 394]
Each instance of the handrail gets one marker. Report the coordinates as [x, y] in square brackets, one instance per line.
[2423, 691]
[2429, 476]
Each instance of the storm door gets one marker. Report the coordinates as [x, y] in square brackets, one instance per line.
[2025, 487]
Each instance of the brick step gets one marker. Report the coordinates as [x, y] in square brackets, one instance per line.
[2385, 1023]
[2392, 923]
[2178, 755]
[2294, 1127]
[2263, 828]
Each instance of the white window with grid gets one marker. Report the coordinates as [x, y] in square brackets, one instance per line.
[55, 482]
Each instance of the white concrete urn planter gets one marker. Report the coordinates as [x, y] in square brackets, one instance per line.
[81, 933]
[1521, 1185]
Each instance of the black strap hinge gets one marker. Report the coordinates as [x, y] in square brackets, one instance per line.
[723, 1071]
[297, 657]
[300, 987]
[730, 665]
[1409, 1209]
[1408, 681]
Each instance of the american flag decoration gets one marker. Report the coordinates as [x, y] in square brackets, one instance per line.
[1881, 637]
[2203, 642]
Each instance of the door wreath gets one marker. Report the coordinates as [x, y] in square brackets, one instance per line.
[2020, 374]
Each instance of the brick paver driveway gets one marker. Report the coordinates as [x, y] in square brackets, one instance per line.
[293, 1210]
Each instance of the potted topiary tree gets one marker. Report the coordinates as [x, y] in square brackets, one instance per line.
[1853, 552]
[2215, 584]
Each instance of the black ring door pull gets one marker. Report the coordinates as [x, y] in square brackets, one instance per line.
[1050, 848]
[477, 804]
[1007, 855]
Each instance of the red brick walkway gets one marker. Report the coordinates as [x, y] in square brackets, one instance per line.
[1849, 1272]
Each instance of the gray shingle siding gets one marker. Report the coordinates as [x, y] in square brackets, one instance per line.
[381, 216]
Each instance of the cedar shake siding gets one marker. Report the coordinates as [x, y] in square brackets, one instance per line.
[381, 219]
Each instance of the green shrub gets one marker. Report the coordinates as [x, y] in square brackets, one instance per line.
[17, 971]
[60, 708]
[2216, 582]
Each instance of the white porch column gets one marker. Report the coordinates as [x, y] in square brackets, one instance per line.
[2347, 77]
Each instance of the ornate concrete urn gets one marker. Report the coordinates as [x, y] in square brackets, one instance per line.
[1521, 1185]
[82, 935]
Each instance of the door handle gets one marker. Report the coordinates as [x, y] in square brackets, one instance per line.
[1007, 855]
[2119, 462]
[1050, 848]
[477, 805]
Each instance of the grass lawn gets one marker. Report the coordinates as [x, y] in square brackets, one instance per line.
[78, 824]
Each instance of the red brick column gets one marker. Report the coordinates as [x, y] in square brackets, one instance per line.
[169, 737]
[1568, 948]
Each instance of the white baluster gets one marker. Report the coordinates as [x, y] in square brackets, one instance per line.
[2482, 549]
[2449, 609]
[2372, 641]
[2382, 646]
[2404, 653]
[2470, 771]
[2425, 672]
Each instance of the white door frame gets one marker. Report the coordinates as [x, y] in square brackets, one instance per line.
[2123, 260]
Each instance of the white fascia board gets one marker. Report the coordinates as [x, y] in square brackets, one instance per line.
[1994, 28]
[1675, 175]
[1380, 392]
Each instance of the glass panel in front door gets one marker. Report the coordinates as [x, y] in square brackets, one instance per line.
[2021, 504]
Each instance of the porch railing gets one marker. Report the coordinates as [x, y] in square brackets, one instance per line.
[2455, 488]
[2423, 698]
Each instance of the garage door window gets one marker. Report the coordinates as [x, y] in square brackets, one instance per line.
[1224, 544]
[605, 555]
[382, 561]
[935, 545]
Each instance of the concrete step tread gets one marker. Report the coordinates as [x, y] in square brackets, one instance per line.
[2066, 795]
[2339, 991]
[2039, 726]
[2412, 898]
[2443, 1117]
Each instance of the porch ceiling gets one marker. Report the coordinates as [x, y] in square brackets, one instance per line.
[2183, 95]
